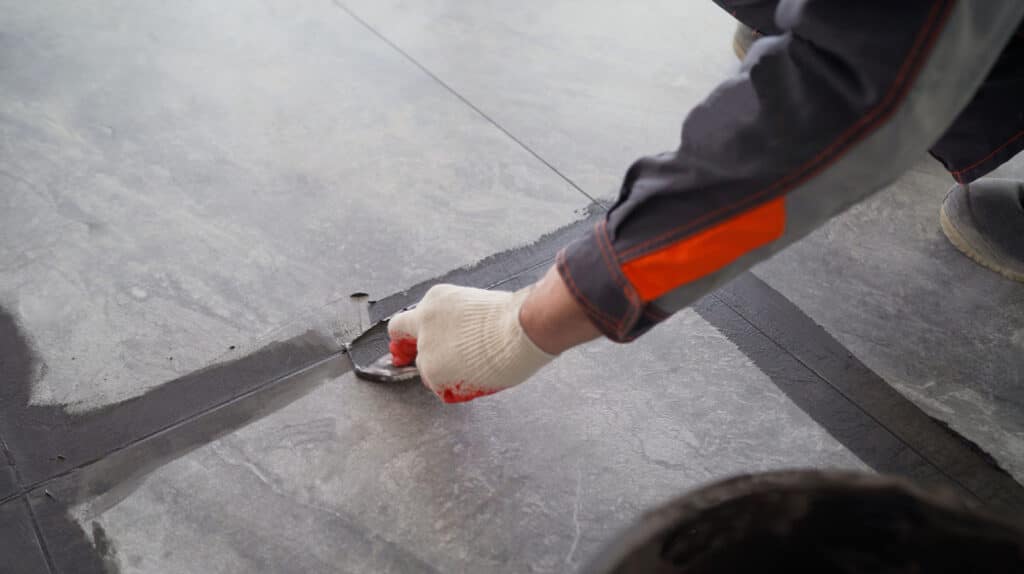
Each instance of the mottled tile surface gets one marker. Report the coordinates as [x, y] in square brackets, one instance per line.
[182, 184]
[947, 333]
[8, 483]
[20, 552]
[590, 85]
[358, 477]
[179, 178]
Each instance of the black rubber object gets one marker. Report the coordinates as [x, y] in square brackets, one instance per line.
[808, 521]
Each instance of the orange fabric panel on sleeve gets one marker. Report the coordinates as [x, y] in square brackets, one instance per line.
[707, 251]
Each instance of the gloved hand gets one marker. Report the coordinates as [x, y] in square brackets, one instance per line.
[466, 342]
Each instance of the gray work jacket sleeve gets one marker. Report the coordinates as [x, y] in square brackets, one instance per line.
[847, 98]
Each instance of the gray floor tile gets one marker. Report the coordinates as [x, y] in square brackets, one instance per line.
[358, 477]
[8, 479]
[20, 552]
[590, 86]
[8, 482]
[178, 179]
[948, 334]
[785, 334]
[8, 485]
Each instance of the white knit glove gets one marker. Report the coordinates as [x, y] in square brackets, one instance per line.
[466, 342]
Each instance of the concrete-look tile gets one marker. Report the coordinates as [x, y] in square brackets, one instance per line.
[787, 340]
[885, 282]
[8, 484]
[591, 86]
[179, 178]
[20, 552]
[49, 440]
[358, 477]
[8, 481]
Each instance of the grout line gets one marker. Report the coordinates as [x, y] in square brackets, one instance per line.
[466, 101]
[522, 272]
[9, 460]
[849, 399]
[39, 535]
[9, 457]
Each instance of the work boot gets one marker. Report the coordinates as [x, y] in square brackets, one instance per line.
[743, 38]
[985, 220]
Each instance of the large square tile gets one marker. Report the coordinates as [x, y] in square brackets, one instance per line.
[589, 85]
[178, 179]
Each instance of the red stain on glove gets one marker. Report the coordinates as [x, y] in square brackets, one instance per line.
[459, 394]
[403, 351]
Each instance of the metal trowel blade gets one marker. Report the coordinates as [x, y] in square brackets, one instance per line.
[371, 359]
[383, 371]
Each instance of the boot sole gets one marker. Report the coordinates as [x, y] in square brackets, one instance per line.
[962, 244]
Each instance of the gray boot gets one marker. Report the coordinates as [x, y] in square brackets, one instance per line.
[985, 220]
[742, 39]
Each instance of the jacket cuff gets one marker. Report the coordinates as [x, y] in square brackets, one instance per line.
[590, 269]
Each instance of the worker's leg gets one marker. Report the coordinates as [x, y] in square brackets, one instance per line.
[817, 120]
[990, 130]
[985, 218]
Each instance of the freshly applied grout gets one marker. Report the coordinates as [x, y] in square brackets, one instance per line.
[913, 448]
[185, 420]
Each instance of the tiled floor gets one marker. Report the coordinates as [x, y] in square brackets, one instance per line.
[185, 177]
[886, 283]
[22, 552]
[363, 478]
[189, 193]
[8, 482]
[588, 85]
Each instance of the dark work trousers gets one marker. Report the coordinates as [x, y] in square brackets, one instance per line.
[836, 101]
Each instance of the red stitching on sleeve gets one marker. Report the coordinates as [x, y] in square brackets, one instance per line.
[611, 260]
[599, 237]
[635, 303]
[599, 315]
